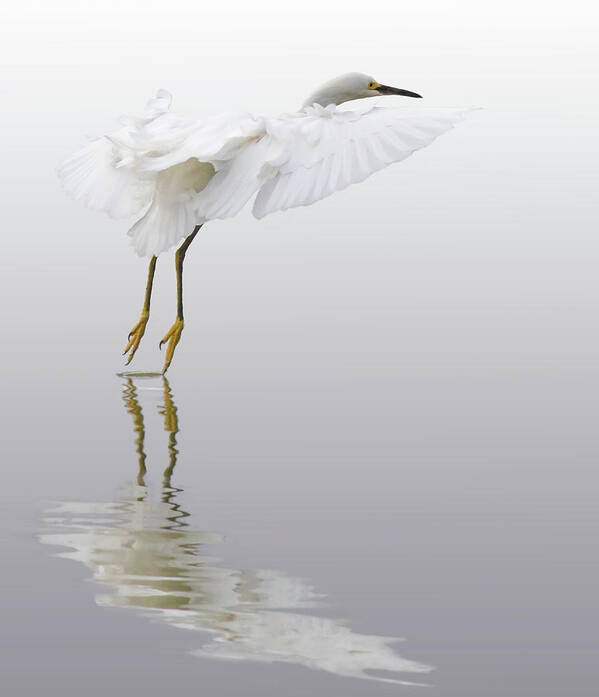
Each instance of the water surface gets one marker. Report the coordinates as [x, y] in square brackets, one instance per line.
[295, 539]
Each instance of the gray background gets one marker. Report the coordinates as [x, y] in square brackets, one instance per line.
[391, 393]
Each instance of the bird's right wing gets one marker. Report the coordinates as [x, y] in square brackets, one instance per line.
[102, 174]
[154, 167]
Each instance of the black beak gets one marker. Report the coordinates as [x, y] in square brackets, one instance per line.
[385, 89]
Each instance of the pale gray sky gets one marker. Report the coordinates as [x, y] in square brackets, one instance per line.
[498, 215]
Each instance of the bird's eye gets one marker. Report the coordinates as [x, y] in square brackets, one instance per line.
[370, 85]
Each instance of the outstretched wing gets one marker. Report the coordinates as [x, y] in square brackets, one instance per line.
[332, 149]
[307, 156]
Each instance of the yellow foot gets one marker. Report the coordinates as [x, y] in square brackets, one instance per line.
[135, 336]
[172, 336]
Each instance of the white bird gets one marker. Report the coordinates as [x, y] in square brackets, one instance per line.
[174, 174]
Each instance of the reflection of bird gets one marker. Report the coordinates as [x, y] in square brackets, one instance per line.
[145, 550]
[253, 614]
[178, 174]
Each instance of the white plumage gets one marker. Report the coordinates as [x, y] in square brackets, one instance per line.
[174, 174]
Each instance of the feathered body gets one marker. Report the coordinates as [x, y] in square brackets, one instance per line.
[174, 174]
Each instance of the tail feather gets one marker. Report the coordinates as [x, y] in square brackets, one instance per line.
[162, 227]
[172, 215]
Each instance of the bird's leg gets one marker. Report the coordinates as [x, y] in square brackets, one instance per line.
[136, 334]
[174, 333]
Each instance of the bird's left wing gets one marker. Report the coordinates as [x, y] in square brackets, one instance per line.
[304, 157]
[329, 149]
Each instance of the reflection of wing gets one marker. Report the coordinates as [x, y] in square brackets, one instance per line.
[307, 156]
[315, 642]
[129, 545]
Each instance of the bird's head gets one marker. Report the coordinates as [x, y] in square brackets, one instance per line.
[352, 86]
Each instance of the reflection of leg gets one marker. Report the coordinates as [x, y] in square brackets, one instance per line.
[138, 330]
[133, 407]
[171, 424]
[174, 333]
[169, 492]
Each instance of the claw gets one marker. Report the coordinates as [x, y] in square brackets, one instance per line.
[135, 335]
[172, 336]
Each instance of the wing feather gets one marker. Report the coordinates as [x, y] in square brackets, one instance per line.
[92, 176]
[326, 150]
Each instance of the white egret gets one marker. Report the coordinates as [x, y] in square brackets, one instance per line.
[175, 174]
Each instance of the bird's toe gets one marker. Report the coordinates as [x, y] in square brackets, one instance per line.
[135, 336]
[172, 337]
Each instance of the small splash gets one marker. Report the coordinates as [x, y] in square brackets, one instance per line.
[139, 374]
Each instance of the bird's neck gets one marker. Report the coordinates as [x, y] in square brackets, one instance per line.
[321, 98]
[330, 93]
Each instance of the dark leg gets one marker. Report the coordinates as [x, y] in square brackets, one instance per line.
[174, 333]
[139, 329]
